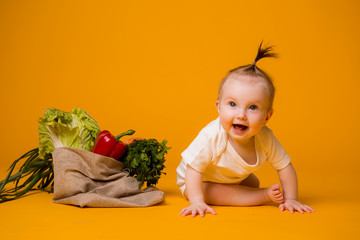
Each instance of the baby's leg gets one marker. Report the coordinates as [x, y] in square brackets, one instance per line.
[238, 195]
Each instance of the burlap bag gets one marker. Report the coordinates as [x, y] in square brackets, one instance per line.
[83, 178]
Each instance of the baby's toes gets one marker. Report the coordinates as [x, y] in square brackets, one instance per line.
[279, 198]
[276, 191]
[277, 195]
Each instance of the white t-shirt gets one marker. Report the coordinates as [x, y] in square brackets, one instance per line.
[212, 154]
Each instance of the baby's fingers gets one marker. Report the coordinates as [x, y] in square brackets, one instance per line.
[198, 211]
[189, 211]
[282, 207]
[185, 211]
[299, 209]
[308, 209]
[303, 208]
[182, 211]
[210, 210]
[291, 209]
[206, 210]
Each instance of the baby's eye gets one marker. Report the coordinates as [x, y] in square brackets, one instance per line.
[253, 107]
[232, 104]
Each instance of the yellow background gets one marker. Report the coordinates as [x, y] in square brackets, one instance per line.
[154, 66]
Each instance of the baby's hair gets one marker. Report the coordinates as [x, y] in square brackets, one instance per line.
[254, 71]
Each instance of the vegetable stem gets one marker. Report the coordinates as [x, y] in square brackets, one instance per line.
[128, 132]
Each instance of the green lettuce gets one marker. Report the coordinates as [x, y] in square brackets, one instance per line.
[62, 129]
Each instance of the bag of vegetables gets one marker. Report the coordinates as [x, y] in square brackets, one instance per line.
[60, 131]
[83, 178]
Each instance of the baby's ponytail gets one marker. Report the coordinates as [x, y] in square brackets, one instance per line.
[264, 53]
[261, 53]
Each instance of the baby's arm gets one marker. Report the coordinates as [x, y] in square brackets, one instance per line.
[289, 184]
[193, 182]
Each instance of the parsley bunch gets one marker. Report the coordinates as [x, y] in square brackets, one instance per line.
[145, 160]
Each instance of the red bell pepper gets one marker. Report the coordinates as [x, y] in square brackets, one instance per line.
[108, 145]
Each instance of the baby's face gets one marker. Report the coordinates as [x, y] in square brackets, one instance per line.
[244, 107]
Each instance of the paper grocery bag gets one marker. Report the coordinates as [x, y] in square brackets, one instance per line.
[83, 178]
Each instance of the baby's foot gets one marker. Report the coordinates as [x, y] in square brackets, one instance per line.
[273, 194]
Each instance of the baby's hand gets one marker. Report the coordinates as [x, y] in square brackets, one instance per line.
[293, 205]
[197, 208]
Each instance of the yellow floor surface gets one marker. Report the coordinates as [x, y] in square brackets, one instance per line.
[36, 217]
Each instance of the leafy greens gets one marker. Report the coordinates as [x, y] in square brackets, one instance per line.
[145, 160]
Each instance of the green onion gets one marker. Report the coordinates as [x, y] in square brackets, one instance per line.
[34, 174]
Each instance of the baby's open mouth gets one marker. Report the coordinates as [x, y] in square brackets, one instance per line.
[240, 127]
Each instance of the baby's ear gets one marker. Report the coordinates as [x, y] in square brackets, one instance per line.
[217, 104]
[269, 114]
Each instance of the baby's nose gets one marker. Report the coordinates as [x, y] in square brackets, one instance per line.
[241, 114]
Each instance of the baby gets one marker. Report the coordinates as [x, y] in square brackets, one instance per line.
[217, 168]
